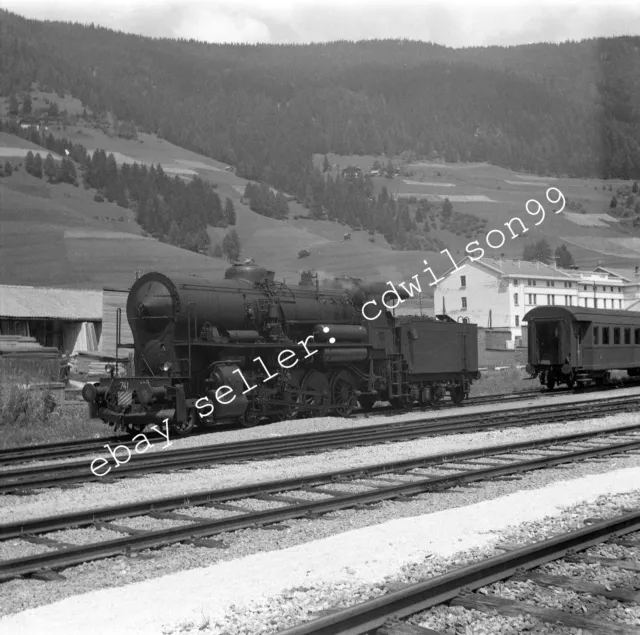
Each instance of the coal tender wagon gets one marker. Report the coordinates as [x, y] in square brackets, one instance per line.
[578, 346]
[258, 350]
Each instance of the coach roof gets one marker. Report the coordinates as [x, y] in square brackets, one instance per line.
[579, 313]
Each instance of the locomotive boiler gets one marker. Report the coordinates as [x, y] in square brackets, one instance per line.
[250, 349]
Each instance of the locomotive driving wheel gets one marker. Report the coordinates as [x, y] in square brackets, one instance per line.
[316, 386]
[342, 389]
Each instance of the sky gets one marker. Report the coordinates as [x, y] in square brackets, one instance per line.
[448, 22]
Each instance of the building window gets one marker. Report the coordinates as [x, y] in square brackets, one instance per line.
[619, 304]
[515, 282]
[636, 336]
[464, 303]
[515, 299]
[550, 299]
[517, 320]
[585, 287]
[605, 303]
[596, 331]
[616, 335]
[531, 298]
[567, 300]
[551, 283]
[463, 281]
[567, 285]
[605, 335]
[627, 336]
[595, 303]
[531, 283]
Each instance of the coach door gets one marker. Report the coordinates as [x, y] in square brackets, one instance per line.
[548, 334]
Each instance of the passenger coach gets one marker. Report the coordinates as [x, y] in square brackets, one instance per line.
[577, 345]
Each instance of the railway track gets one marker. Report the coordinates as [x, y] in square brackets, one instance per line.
[44, 476]
[379, 482]
[379, 616]
[82, 447]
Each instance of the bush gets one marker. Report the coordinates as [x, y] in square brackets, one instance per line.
[98, 198]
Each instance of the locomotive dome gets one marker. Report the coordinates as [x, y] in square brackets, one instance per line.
[249, 271]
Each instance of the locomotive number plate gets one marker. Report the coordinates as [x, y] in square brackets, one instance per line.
[119, 385]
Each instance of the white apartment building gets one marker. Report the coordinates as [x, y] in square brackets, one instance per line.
[493, 292]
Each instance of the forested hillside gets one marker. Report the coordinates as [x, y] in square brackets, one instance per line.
[569, 109]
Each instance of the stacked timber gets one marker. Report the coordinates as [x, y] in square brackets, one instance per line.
[91, 364]
[22, 347]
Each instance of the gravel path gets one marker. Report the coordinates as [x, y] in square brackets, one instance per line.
[94, 495]
[354, 564]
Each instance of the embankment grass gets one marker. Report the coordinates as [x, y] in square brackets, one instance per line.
[502, 382]
[31, 416]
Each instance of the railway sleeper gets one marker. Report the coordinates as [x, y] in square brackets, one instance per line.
[514, 608]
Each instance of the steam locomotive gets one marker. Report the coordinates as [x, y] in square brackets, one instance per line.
[255, 350]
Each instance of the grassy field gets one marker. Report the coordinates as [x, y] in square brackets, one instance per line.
[83, 243]
[503, 195]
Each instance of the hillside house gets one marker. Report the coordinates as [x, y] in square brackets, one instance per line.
[352, 174]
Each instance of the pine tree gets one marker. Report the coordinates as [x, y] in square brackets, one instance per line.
[537, 251]
[8, 168]
[26, 105]
[634, 187]
[14, 106]
[563, 257]
[217, 251]
[614, 202]
[28, 164]
[447, 209]
[50, 169]
[231, 246]
[37, 166]
[326, 166]
[229, 212]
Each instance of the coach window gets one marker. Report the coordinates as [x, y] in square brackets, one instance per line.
[596, 333]
[605, 335]
[627, 336]
[636, 335]
[616, 335]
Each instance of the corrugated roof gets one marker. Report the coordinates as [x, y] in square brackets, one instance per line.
[46, 302]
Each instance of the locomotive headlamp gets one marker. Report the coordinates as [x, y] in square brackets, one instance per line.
[166, 367]
[109, 368]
